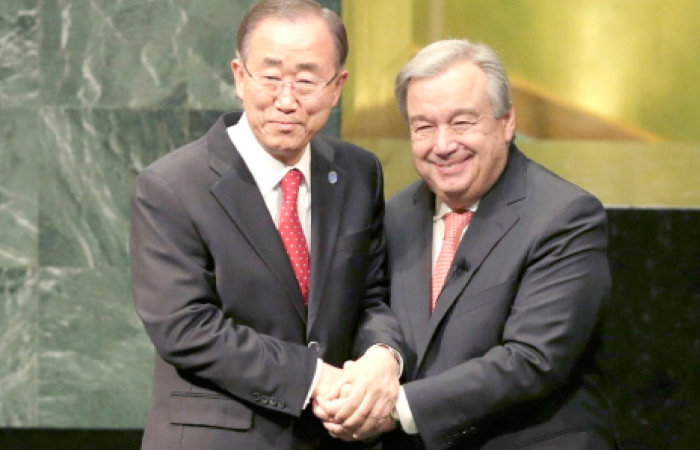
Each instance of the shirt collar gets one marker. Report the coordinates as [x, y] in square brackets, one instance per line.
[441, 209]
[266, 170]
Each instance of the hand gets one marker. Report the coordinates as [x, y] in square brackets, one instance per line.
[371, 428]
[328, 380]
[365, 407]
[326, 408]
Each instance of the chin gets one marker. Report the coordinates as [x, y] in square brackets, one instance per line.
[286, 152]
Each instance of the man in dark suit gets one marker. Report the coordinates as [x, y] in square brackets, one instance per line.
[258, 258]
[498, 269]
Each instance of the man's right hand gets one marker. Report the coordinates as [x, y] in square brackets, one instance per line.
[327, 381]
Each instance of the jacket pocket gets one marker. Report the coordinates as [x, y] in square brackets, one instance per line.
[209, 411]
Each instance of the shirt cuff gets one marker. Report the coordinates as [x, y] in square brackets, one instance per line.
[402, 413]
[314, 382]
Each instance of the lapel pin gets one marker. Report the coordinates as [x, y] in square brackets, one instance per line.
[332, 177]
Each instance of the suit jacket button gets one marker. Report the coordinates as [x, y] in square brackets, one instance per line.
[280, 403]
[256, 396]
[315, 346]
[273, 401]
[263, 399]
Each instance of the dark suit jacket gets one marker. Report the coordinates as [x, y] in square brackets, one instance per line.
[236, 348]
[507, 357]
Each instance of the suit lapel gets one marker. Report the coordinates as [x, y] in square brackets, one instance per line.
[498, 212]
[328, 186]
[238, 194]
[416, 276]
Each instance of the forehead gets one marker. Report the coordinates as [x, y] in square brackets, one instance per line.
[303, 41]
[462, 87]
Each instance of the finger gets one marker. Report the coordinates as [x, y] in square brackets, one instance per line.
[352, 401]
[360, 416]
[319, 410]
[385, 403]
[338, 432]
[376, 427]
[385, 397]
[330, 407]
[338, 387]
[345, 391]
[369, 428]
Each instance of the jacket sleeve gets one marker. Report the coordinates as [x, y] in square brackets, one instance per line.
[378, 324]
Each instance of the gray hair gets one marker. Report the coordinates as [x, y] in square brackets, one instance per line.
[437, 57]
[293, 10]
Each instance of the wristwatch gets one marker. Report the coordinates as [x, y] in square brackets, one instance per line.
[397, 356]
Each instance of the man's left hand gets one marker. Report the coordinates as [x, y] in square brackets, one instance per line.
[370, 388]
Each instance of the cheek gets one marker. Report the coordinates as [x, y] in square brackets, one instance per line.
[419, 161]
[419, 151]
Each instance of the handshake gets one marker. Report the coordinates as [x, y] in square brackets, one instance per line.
[356, 402]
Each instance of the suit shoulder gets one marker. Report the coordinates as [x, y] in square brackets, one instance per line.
[553, 189]
[181, 162]
[348, 150]
[400, 203]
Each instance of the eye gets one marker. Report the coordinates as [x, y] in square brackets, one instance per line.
[462, 125]
[305, 82]
[272, 78]
[424, 129]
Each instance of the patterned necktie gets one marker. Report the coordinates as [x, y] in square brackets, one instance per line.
[454, 226]
[292, 233]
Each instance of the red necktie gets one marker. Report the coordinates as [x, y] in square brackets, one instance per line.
[292, 233]
[454, 226]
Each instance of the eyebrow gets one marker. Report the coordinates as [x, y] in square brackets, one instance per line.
[455, 113]
[269, 61]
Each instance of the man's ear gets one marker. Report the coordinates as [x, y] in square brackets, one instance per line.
[509, 124]
[238, 76]
[338, 84]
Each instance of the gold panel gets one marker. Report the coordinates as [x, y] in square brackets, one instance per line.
[381, 36]
[633, 62]
[623, 70]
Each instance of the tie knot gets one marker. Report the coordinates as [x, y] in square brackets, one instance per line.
[455, 222]
[290, 185]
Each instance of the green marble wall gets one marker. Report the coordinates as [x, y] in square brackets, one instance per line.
[90, 93]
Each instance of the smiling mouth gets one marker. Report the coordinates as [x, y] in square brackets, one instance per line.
[449, 167]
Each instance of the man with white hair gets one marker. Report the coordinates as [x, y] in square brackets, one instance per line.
[499, 270]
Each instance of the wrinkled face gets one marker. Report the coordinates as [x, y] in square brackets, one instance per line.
[294, 52]
[459, 147]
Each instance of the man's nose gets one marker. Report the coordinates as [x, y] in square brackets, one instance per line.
[443, 140]
[285, 100]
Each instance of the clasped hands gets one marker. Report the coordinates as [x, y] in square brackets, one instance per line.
[356, 402]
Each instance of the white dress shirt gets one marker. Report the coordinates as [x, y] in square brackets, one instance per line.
[403, 410]
[268, 172]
